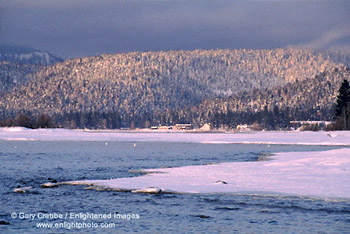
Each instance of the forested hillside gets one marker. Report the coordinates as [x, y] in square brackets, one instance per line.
[309, 99]
[168, 87]
[14, 74]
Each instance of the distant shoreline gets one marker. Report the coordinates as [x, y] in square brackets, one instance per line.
[336, 138]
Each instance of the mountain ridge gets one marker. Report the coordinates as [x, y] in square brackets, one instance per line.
[149, 83]
[27, 55]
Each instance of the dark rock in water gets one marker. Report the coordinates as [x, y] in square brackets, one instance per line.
[221, 182]
[203, 216]
[52, 180]
[227, 208]
[3, 222]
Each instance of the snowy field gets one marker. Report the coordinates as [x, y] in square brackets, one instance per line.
[314, 174]
[317, 174]
[303, 138]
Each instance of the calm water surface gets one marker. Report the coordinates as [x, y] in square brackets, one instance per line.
[31, 163]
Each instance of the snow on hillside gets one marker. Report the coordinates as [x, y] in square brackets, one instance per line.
[26, 55]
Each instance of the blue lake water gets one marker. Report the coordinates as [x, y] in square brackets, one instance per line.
[31, 163]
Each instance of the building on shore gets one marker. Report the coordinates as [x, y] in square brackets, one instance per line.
[183, 126]
[310, 125]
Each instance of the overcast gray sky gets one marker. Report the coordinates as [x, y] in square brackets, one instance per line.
[74, 28]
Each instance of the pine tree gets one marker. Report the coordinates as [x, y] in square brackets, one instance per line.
[342, 109]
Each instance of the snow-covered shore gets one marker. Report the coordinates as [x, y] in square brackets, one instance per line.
[304, 138]
[317, 174]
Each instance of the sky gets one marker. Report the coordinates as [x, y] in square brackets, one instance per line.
[77, 28]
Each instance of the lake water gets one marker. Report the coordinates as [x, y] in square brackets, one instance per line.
[31, 163]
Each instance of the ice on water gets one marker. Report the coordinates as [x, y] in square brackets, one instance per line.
[319, 174]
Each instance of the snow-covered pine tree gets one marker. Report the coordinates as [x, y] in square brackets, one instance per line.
[342, 110]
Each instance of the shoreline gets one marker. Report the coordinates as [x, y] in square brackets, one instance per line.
[286, 173]
[336, 138]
